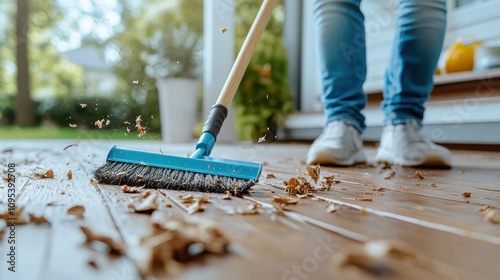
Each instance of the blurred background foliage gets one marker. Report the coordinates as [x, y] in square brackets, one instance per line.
[124, 31]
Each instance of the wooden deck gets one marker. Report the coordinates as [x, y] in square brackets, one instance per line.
[441, 232]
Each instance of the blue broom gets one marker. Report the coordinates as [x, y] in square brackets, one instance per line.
[199, 172]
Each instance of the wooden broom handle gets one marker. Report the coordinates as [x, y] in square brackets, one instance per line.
[246, 52]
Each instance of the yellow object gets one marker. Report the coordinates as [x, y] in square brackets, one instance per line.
[460, 57]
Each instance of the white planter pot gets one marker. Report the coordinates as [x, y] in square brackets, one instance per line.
[178, 104]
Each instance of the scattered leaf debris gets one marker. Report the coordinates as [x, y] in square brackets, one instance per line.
[314, 171]
[328, 182]
[83, 105]
[69, 175]
[270, 176]
[128, 189]
[175, 241]
[99, 123]
[280, 201]
[299, 185]
[21, 216]
[490, 214]
[141, 129]
[38, 219]
[390, 175]
[146, 203]
[223, 29]
[331, 208]
[47, 174]
[73, 125]
[77, 210]
[417, 175]
[261, 139]
[115, 248]
[466, 194]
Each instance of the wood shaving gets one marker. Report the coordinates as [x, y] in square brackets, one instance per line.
[93, 182]
[314, 171]
[108, 122]
[127, 189]
[223, 30]
[331, 208]
[390, 175]
[141, 129]
[466, 194]
[175, 241]
[261, 139]
[367, 192]
[47, 174]
[115, 248]
[490, 214]
[77, 211]
[146, 203]
[385, 165]
[252, 209]
[433, 184]
[83, 105]
[120, 174]
[227, 196]
[270, 176]
[38, 219]
[363, 211]
[69, 175]
[72, 125]
[92, 264]
[417, 175]
[301, 195]
[358, 199]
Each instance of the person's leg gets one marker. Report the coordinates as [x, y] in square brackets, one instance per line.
[341, 49]
[341, 55]
[417, 45]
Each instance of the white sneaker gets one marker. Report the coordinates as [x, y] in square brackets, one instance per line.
[405, 145]
[339, 144]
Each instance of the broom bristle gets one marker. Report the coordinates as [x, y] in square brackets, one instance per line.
[119, 173]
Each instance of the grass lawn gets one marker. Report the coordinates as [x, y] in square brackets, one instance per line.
[12, 132]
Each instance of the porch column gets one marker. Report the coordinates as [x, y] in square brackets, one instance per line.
[218, 57]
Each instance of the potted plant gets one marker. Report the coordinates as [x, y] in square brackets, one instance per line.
[174, 61]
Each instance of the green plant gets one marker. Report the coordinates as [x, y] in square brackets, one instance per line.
[175, 53]
[264, 97]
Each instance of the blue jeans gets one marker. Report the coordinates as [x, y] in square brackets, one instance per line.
[341, 48]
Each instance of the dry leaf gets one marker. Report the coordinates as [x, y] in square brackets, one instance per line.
[69, 175]
[38, 220]
[72, 125]
[174, 241]
[299, 185]
[417, 175]
[77, 211]
[223, 30]
[147, 202]
[47, 174]
[141, 129]
[390, 175]
[108, 122]
[115, 248]
[261, 139]
[83, 105]
[93, 264]
[378, 189]
[280, 201]
[466, 194]
[490, 214]
[314, 171]
[270, 176]
[328, 182]
[98, 123]
[18, 213]
[127, 189]
[331, 208]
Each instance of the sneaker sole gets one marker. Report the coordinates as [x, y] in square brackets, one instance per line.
[326, 158]
[434, 161]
